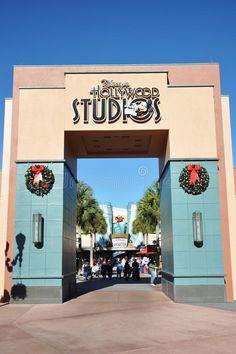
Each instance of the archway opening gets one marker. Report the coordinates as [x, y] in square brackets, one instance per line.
[142, 146]
[118, 186]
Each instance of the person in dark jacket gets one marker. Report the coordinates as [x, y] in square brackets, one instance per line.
[135, 270]
[109, 269]
[127, 270]
[104, 269]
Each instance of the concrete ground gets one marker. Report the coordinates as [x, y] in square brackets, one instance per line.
[112, 316]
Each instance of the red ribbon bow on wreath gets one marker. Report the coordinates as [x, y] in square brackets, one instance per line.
[38, 175]
[193, 178]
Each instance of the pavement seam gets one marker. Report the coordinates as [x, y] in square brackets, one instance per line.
[86, 314]
[21, 315]
[40, 339]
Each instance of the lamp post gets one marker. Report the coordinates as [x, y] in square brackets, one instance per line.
[37, 229]
[91, 250]
[197, 229]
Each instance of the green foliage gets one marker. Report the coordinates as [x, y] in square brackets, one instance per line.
[90, 217]
[148, 211]
[140, 225]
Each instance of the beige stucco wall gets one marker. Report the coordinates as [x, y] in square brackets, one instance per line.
[235, 180]
[231, 197]
[0, 183]
[5, 189]
[41, 124]
[191, 119]
[44, 115]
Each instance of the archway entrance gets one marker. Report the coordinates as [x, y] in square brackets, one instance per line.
[117, 184]
[171, 112]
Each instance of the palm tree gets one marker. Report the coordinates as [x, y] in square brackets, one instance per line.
[140, 225]
[148, 212]
[150, 206]
[90, 218]
[85, 202]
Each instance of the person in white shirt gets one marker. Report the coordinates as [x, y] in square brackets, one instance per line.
[145, 262]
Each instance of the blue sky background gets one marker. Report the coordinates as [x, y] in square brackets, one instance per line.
[50, 32]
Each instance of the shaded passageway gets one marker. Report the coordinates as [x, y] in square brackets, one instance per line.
[113, 284]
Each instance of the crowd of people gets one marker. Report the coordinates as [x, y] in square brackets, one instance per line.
[123, 268]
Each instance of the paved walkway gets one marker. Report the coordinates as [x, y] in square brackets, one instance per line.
[117, 317]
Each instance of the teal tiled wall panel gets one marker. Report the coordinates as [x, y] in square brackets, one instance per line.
[58, 210]
[166, 222]
[186, 259]
[69, 229]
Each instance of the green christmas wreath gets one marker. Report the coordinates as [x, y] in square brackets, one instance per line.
[194, 179]
[39, 179]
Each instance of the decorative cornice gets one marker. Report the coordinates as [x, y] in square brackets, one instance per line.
[116, 72]
[190, 85]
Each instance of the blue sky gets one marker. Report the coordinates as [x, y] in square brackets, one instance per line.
[118, 181]
[50, 32]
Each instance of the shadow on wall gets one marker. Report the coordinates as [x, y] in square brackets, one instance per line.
[6, 296]
[20, 241]
[18, 290]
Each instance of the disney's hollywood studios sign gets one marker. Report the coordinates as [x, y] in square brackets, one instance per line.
[112, 101]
